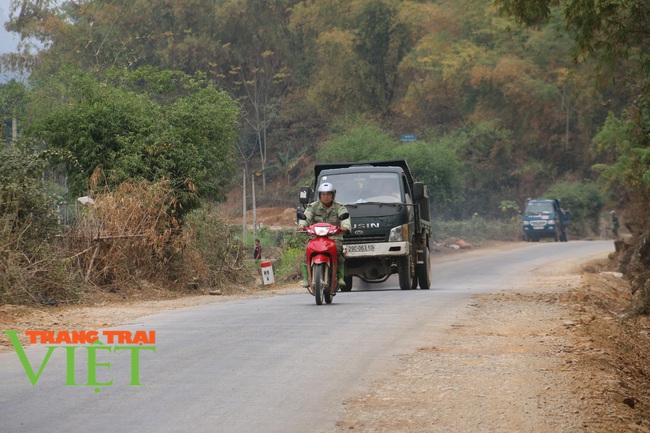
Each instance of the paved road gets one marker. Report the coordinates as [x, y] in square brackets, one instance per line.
[275, 364]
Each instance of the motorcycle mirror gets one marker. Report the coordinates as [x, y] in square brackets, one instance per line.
[344, 216]
[301, 216]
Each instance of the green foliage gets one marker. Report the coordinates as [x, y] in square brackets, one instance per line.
[510, 209]
[13, 95]
[288, 267]
[491, 168]
[613, 137]
[22, 194]
[381, 41]
[613, 31]
[184, 133]
[585, 202]
[437, 164]
[31, 267]
[363, 142]
[291, 246]
[627, 157]
[214, 255]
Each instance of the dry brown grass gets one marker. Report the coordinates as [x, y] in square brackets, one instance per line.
[127, 234]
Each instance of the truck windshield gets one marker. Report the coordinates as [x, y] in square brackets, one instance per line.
[539, 208]
[366, 187]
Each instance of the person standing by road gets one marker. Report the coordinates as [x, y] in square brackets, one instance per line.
[615, 224]
[257, 252]
[257, 255]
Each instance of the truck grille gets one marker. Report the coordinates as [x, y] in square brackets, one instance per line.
[363, 239]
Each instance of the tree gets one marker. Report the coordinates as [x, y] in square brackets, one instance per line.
[95, 34]
[436, 163]
[357, 47]
[184, 133]
[256, 48]
[381, 41]
[13, 95]
[585, 202]
[361, 142]
[611, 31]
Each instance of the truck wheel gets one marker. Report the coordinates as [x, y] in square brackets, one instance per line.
[407, 278]
[424, 270]
[348, 284]
[327, 295]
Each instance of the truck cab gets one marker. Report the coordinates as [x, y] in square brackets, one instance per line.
[544, 218]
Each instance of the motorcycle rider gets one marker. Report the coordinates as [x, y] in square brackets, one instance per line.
[327, 210]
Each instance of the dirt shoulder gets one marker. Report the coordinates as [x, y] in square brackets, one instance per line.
[560, 355]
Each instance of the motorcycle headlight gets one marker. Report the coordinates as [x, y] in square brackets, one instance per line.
[399, 233]
[321, 231]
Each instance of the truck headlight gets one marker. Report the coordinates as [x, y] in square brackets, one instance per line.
[526, 223]
[399, 233]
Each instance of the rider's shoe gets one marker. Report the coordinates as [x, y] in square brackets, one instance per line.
[340, 273]
[305, 276]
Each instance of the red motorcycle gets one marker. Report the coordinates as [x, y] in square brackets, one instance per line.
[322, 261]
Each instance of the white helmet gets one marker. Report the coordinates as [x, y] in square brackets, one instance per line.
[326, 187]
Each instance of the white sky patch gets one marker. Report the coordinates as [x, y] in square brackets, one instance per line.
[8, 41]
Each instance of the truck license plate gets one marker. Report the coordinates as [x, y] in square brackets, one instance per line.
[360, 248]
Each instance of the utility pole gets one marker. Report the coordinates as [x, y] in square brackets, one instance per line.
[254, 208]
[244, 229]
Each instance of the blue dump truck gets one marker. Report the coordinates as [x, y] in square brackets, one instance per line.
[389, 215]
[544, 218]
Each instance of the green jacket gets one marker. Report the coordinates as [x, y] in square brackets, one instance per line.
[315, 213]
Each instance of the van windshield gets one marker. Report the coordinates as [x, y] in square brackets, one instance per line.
[539, 208]
[366, 187]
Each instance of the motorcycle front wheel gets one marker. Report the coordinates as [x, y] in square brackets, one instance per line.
[318, 276]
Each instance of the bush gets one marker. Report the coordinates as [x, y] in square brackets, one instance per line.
[585, 202]
[33, 270]
[477, 230]
[360, 142]
[214, 256]
[127, 235]
[292, 246]
[32, 267]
